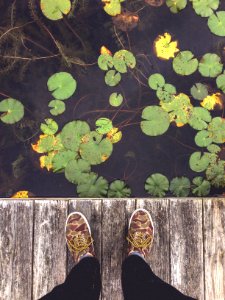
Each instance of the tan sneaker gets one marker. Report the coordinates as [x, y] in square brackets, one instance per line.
[78, 236]
[140, 232]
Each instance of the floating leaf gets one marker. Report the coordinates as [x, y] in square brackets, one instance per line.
[176, 5]
[157, 185]
[156, 121]
[105, 50]
[114, 135]
[115, 99]
[112, 78]
[166, 93]
[216, 23]
[105, 62]
[12, 109]
[199, 91]
[156, 81]
[199, 162]
[203, 139]
[77, 171]
[104, 125]
[213, 148]
[210, 65]
[112, 7]
[201, 187]
[21, 194]
[185, 63]
[205, 8]
[61, 159]
[50, 127]
[58, 107]
[123, 59]
[62, 85]
[215, 173]
[217, 130]
[95, 149]
[48, 143]
[199, 118]
[180, 186]
[72, 133]
[220, 82]
[93, 186]
[119, 189]
[46, 160]
[55, 9]
[213, 101]
[164, 47]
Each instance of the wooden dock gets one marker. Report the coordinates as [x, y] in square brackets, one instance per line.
[188, 250]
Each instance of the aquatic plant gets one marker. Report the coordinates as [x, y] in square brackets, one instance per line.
[176, 5]
[164, 47]
[112, 78]
[210, 65]
[50, 127]
[112, 7]
[199, 91]
[205, 8]
[118, 189]
[115, 99]
[55, 9]
[77, 171]
[180, 186]
[12, 111]
[185, 63]
[216, 23]
[164, 91]
[203, 138]
[201, 187]
[199, 162]
[57, 107]
[212, 101]
[157, 185]
[199, 118]
[93, 186]
[220, 82]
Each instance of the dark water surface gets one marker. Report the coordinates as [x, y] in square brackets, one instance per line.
[137, 155]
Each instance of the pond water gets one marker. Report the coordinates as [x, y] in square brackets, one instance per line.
[80, 37]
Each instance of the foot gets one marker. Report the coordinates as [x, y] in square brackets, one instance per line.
[78, 236]
[140, 232]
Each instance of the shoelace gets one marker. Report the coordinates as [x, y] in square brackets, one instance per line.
[139, 240]
[79, 243]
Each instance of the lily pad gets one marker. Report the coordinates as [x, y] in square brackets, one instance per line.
[156, 121]
[180, 186]
[119, 189]
[48, 143]
[199, 118]
[205, 8]
[123, 59]
[217, 130]
[104, 125]
[112, 7]
[55, 9]
[105, 62]
[50, 127]
[213, 101]
[164, 47]
[215, 173]
[176, 5]
[220, 82]
[199, 91]
[72, 134]
[12, 111]
[62, 85]
[116, 99]
[210, 65]
[61, 159]
[156, 81]
[58, 107]
[199, 162]
[203, 139]
[213, 148]
[112, 78]
[114, 135]
[185, 63]
[201, 186]
[157, 185]
[93, 187]
[166, 93]
[77, 171]
[216, 23]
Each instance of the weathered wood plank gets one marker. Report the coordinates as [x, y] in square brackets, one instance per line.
[115, 214]
[16, 230]
[187, 246]
[214, 244]
[92, 211]
[159, 258]
[49, 266]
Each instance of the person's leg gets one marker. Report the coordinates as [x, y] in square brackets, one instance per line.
[84, 280]
[138, 280]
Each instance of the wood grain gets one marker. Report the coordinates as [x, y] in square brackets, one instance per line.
[16, 229]
[214, 242]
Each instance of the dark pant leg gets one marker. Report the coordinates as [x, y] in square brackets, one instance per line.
[140, 283]
[82, 283]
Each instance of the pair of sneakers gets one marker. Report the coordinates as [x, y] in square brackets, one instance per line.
[80, 241]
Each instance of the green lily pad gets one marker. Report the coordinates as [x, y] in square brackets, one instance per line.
[112, 78]
[166, 93]
[50, 127]
[157, 185]
[55, 9]
[217, 130]
[156, 121]
[119, 189]
[105, 62]
[122, 60]
[203, 139]
[213, 148]
[205, 8]
[112, 7]
[216, 23]
[220, 82]
[199, 91]
[61, 159]
[72, 134]
[115, 99]
[77, 171]
[48, 143]
[215, 173]
[176, 5]
[185, 63]
[95, 149]
[210, 65]
[104, 125]
[62, 85]
[201, 186]
[199, 162]
[156, 81]
[58, 107]
[12, 109]
[93, 187]
[180, 186]
[199, 118]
